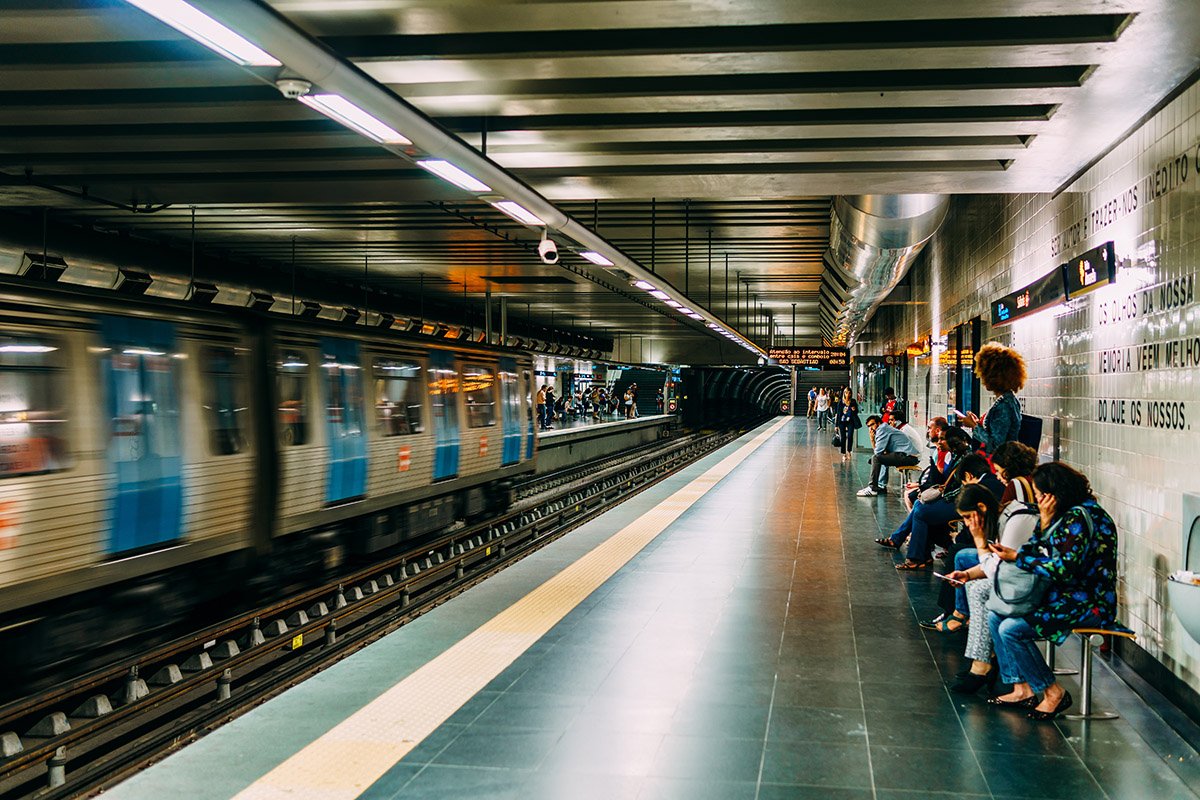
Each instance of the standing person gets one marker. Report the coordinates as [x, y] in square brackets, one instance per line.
[812, 402]
[549, 406]
[633, 393]
[1001, 370]
[893, 448]
[661, 400]
[889, 405]
[822, 409]
[541, 406]
[848, 422]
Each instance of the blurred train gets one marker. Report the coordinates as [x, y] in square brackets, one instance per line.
[156, 455]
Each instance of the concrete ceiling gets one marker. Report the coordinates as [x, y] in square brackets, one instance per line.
[690, 133]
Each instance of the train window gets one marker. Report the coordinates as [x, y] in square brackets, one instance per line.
[479, 389]
[510, 396]
[344, 395]
[144, 403]
[398, 401]
[291, 382]
[32, 415]
[224, 401]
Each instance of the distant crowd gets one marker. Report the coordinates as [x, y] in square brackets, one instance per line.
[596, 404]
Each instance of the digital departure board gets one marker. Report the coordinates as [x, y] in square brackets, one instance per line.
[818, 357]
[1095, 268]
[1044, 292]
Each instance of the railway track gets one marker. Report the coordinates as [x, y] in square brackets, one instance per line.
[91, 732]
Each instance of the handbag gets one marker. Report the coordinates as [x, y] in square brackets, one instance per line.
[837, 440]
[1015, 592]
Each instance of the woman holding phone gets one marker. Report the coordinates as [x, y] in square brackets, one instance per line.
[1001, 370]
[1074, 548]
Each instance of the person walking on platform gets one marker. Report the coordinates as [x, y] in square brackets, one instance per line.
[1001, 370]
[848, 422]
[660, 400]
[822, 410]
[812, 402]
[893, 448]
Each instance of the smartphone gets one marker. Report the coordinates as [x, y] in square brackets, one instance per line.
[947, 579]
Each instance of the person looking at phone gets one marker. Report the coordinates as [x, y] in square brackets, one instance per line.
[1073, 547]
[1001, 370]
[958, 443]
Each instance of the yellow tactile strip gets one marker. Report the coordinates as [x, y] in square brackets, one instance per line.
[342, 763]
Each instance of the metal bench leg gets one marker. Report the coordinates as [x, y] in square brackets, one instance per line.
[1085, 680]
[1051, 651]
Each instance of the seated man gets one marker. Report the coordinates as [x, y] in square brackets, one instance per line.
[893, 448]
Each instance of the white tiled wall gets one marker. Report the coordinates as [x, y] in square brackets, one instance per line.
[991, 245]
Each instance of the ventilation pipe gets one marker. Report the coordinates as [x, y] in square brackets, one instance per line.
[873, 240]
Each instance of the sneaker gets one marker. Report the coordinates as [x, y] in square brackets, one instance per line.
[867, 492]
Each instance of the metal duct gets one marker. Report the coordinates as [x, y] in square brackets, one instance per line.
[873, 240]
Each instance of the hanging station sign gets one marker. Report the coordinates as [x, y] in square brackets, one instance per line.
[817, 357]
[1082, 274]
[1095, 268]
[1045, 292]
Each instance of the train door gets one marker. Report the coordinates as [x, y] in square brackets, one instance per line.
[510, 412]
[341, 379]
[530, 408]
[443, 400]
[141, 379]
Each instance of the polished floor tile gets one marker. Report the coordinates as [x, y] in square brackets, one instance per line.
[764, 648]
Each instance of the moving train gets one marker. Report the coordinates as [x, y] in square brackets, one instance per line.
[155, 455]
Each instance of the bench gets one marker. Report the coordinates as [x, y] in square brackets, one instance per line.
[1087, 638]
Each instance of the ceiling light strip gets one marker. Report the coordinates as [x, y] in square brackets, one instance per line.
[197, 25]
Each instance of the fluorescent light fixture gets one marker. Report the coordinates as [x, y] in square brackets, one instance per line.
[673, 304]
[714, 326]
[518, 212]
[207, 31]
[447, 171]
[26, 348]
[294, 364]
[696, 316]
[342, 110]
[596, 258]
[142, 351]
[683, 310]
[647, 285]
[660, 294]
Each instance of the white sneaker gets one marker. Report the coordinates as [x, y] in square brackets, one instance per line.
[867, 492]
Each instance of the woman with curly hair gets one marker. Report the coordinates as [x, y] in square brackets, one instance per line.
[1001, 370]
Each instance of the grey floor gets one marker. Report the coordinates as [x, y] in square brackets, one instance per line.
[764, 647]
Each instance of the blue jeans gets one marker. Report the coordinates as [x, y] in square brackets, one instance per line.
[964, 560]
[905, 528]
[925, 516]
[1017, 652]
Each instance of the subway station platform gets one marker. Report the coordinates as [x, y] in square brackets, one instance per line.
[731, 632]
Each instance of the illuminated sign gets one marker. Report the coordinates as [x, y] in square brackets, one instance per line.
[1095, 268]
[1044, 292]
[918, 349]
[813, 357]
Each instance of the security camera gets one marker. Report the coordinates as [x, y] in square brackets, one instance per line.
[291, 88]
[548, 250]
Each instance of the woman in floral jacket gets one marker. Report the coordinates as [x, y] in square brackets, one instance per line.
[1075, 549]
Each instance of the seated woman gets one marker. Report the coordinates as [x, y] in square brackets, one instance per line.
[931, 520]
[1014, 463]
[959, 444]
[1074, 547]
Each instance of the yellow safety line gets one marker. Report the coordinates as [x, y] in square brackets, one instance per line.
[344, 762]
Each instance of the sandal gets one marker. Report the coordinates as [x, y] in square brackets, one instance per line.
[913, 565]
[943, 625]
[888, 543]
